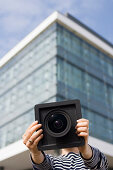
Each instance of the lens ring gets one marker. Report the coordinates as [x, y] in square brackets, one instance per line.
[58, 133]
[58, 124]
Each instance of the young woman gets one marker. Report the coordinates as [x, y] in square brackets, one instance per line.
[80, 158]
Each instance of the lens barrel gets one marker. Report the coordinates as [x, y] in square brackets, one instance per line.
[57, 123]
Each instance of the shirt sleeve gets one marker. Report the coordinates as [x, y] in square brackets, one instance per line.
[97, 161]
[45, 165]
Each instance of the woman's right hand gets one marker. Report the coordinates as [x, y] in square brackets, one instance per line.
[31, 139]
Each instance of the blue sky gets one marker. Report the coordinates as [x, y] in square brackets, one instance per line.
[20, 17]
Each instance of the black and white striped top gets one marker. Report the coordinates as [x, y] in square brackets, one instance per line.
[73, 161]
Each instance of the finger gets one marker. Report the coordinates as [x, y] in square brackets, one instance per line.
[35, 142]
[82, 124]
[83, 134]
[82, 120]
[34, 123]
[82, 129]
[36, 135]
[30, 132]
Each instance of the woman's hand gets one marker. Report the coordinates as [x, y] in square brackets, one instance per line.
[82, 129]
[31, 140]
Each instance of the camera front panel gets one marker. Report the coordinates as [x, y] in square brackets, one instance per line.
[58, 121]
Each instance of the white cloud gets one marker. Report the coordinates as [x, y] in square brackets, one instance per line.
[24, 7]
[19, 17]
[16, 15]
[14, 23]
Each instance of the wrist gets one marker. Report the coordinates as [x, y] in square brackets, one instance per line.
[38, 157]
[87, 152]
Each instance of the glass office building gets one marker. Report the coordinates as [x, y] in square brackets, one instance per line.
[61, 59]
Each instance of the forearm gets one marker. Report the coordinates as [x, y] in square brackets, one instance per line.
[43, 164]
[37, 158]
[87, 152]
[97, 161]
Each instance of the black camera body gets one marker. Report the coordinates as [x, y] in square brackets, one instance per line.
[58, 121]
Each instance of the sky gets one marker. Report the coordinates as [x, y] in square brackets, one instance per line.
[19, 17]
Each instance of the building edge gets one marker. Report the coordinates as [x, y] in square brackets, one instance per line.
[67, 22]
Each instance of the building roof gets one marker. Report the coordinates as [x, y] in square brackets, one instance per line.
[72, 24]
[89, 29]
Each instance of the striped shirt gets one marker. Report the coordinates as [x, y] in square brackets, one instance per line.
[73, 161]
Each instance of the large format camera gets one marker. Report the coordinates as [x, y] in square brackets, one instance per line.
[58, 121]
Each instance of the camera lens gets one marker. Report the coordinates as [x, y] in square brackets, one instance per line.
[57, 123]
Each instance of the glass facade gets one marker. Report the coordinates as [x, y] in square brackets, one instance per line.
[57, 65]
[27, 79]
[86, 73]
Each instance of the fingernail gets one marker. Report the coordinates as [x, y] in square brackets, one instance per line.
[36, 121]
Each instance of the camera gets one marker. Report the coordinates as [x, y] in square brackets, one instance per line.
[58, 121]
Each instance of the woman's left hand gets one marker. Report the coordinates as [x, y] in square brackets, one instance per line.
[82, 129]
